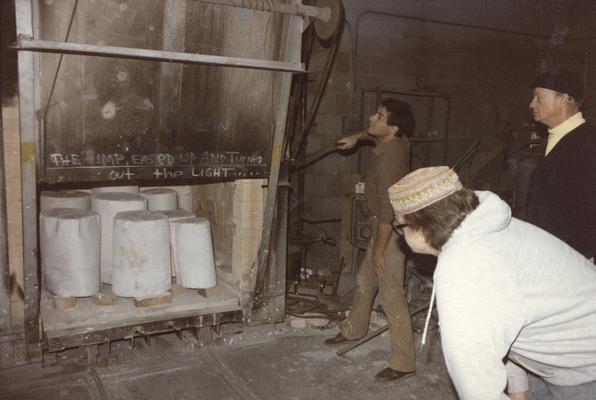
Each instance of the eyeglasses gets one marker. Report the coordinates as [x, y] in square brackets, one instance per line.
[399, 228]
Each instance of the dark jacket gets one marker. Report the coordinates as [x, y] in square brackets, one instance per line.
[562, 192]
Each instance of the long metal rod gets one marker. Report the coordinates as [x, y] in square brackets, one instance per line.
[322, 13]
[28, 83]
[320, 92]
[271, 202]
[47, 46]
[375, 333]
[365, 339]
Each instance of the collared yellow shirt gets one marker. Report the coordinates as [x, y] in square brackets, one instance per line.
[558, 132]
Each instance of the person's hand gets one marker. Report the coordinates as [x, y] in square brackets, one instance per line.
[517, 396]
[347, 142]
[378, 264]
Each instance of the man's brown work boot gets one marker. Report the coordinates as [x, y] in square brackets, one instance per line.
[390, 374]
[335, 340]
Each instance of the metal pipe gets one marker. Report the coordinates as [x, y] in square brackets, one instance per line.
[46, 46]
[322, 13]
[320, 91]
[375, 333]
[303, 96]
[317, 155]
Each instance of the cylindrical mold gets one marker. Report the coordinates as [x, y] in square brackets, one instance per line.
[184, 197]
[141, 255]
[192, 250]
[69, 246]
[115, 189]
[108, 205]
[161, 199]
[175, 215]
[76, 199]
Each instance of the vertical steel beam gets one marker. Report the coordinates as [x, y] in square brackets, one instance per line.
[28, 91]
[265, 266]
[276, 288]
[5, 313]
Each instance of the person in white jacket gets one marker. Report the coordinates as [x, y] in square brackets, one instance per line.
[516, 305]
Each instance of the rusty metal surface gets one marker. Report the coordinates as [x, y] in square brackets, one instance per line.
[131, 332]
[89, 323]
[118, 119]
[132, 53]
[296, 8]
[28, 99]
[270, 281]
[5, 310]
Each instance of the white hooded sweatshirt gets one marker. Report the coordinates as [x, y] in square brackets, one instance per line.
[507, 290]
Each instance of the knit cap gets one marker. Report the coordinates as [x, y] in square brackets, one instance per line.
[562, 81]
[422, 188]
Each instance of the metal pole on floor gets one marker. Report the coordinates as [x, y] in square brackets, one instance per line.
[363, 340]
[374, 334]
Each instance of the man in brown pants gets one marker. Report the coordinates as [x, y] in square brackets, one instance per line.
[382, 268]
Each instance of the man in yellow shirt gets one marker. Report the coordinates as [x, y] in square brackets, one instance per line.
[562, 192]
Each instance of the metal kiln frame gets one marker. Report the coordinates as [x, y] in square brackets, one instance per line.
[270, 283]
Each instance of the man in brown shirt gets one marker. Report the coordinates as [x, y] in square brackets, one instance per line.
[382, 268]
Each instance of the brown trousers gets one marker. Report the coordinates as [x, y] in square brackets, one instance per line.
[393, 299]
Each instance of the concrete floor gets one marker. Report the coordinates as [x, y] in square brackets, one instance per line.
[257, 363]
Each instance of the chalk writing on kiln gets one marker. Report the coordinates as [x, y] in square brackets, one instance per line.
[158, 166]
